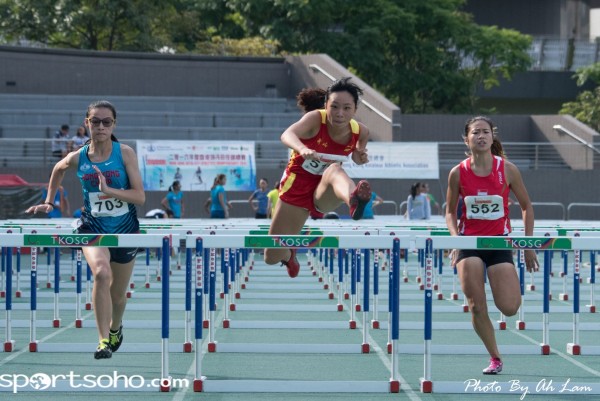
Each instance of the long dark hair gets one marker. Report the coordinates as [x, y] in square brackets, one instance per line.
[103, 104]
[309, 99]
[414, 188]
[218, 180]
[497, 149]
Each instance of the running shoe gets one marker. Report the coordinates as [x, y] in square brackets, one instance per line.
[359, 199]
[115, 338]
[494, 368]
[293, 266]
[103, 351]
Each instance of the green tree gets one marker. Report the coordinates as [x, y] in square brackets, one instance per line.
[586, 107]
[426, 56]
[86, 24]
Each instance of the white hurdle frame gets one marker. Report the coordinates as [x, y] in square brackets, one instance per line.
[291, 241]
[488, 243]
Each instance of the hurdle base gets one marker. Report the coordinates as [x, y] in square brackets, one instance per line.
[212, 347]
[454, 296]
[466, 308]
[132, 285]
[573, 349]
[592, 308]
[389, 348]
[426, 386]
[88, 306]
[422, 287]
[225, 323]
[78, 323]
[530, 287]
[563, 297]
[18, 294]
[352, 324]
[72, 278]
[165, 388]
[346, 295]
[147, 285]
[501, 325]
[375, 324]
[48, 285]
[357, 307]
[440, 296]
[199, 384]
[365, 348]
[238, 295]
[232, 307]
[128, 295]
[330, 295]
[33, 346]
[205, 324]
[244, 285]
[326, 286]
[545, 349]
[187, 347]
[340, 307]
[8, 346]
[405, 279]
[394, 386]
[56, 323]
[2, 294]
[520, 325]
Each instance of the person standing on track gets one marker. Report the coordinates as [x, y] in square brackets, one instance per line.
[311, 182]
[112, 186]
[484, 180]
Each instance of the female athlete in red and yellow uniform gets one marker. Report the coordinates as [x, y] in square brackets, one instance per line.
[314, 180]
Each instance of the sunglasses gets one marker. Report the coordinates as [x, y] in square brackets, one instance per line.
[95, 122]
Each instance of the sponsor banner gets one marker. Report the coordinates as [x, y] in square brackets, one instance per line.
[195, 164]
[291, 241]
[523, 243]
[391, 160]
[75, 240]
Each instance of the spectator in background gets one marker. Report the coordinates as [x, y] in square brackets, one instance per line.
[79, 139]
[60, 142]
[262, 201]
[217, 205]
[432, 201]
[273, 197]
[173, 202]
[418, 203]
[158, 214]
[61, 203]
[375, 201]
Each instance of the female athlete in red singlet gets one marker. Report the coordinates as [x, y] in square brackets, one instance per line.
[312, 182]
[484, 181]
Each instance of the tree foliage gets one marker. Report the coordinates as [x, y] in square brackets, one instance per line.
[426, 56]
[586, 107]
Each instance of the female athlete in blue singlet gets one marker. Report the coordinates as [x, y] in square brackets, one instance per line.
[112, 186]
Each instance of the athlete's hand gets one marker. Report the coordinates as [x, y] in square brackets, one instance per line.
[531, 261]
[102, 185]
[360, 156]
[44, 207]
[308, 154]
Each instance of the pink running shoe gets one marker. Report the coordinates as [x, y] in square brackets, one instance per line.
[494, 368]
[293, 266]
[359, 199]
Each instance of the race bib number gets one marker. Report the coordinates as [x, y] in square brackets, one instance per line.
[103, 205]
[484, 207]
[316, 167]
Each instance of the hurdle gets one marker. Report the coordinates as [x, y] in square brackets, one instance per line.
[79, 240]
[515, 243]
[202, 384]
